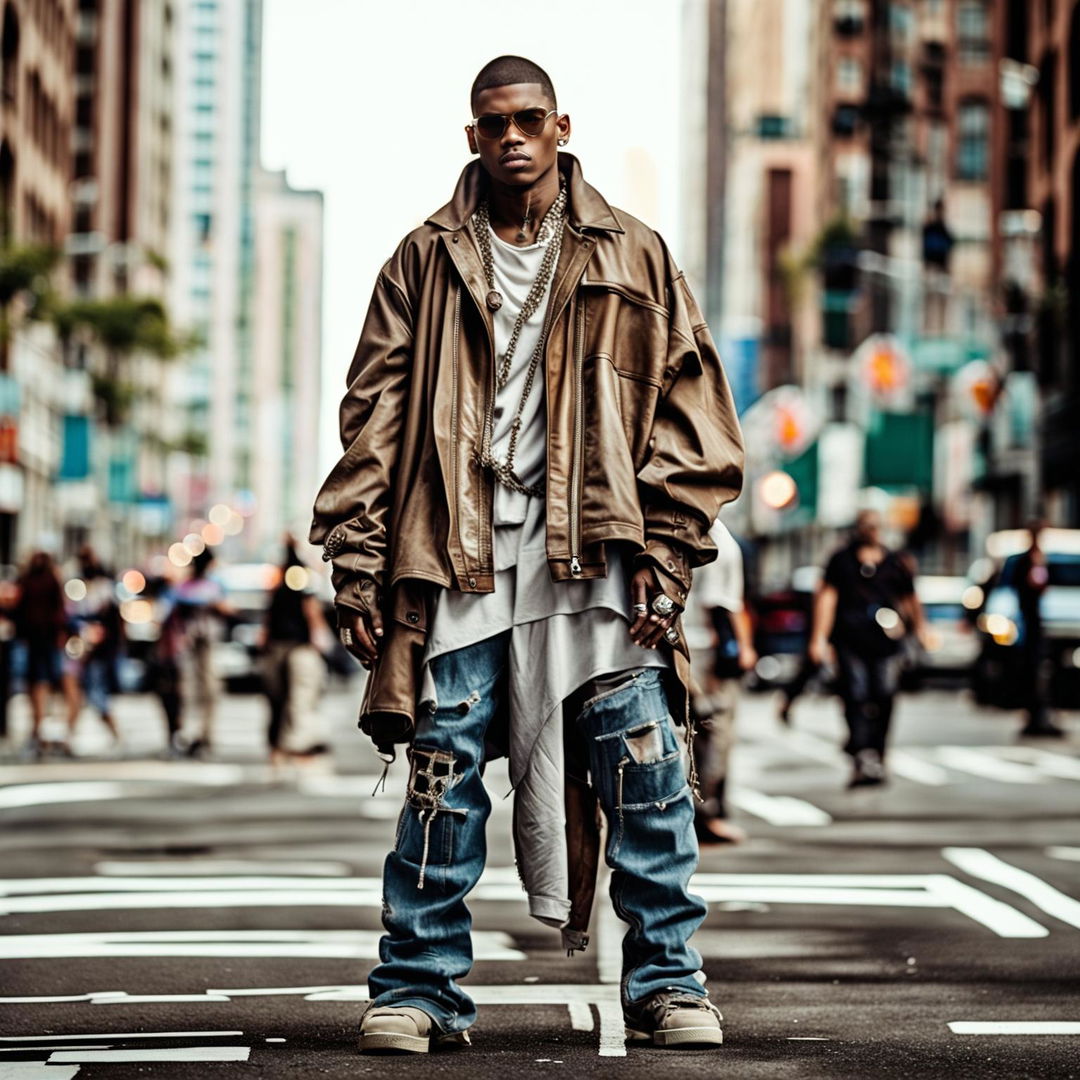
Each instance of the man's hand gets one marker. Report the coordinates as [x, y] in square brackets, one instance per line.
[361, 631]
[648, 628]
[818, 651]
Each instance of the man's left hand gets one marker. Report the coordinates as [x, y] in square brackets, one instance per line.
[648, 628]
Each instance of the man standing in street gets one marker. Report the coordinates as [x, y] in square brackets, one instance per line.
[1031, 577]
[538, 435]
[864, 607]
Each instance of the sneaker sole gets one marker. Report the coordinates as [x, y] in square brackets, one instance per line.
[395, 1041]
[699, 1036]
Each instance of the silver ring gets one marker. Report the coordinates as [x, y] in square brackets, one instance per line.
[663, 605]
[346, 636]
[671, 634]
[642, 608]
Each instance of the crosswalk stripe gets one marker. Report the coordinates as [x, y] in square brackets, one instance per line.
[156, 1053]
[982, 864]
[780, 810]
[1014, 1027]
[972, 760]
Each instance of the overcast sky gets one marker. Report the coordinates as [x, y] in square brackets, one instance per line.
[367, 99]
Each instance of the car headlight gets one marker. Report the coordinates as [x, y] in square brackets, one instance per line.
[1001, 628]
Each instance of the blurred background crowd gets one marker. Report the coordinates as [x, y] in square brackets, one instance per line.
[879, 209]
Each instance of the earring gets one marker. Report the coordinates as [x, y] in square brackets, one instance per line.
[563, 142]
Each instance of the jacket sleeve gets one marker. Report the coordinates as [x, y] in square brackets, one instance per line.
[696, 459]
[352, 509]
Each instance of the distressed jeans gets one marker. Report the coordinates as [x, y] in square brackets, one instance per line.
[440, 846]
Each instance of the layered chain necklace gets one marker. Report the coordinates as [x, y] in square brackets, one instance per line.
[551, 234]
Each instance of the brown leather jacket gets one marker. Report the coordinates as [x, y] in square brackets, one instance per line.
[643, 442]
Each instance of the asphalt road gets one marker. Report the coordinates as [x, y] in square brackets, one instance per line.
[198, 920]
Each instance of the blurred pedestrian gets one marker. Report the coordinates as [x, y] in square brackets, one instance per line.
[201, 608]
[293, 668]
[92, 652]
[163, 662]
[719, 591]
[1030, 581]
[41, 625]
[865, 605]
[808, 670]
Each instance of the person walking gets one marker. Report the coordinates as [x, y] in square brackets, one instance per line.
[293, 668]
[97, 637]
[537, 435]
[1030, 579]
[201, 609]
[163, 676]
[41, 625]
[863, 609]
[719, 594]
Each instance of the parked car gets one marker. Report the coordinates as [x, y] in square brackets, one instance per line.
[1001, 628]
[953, 646]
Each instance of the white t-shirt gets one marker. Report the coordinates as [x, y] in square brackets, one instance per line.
[515, 271]
[716, 584]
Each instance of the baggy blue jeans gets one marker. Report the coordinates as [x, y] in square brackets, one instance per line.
[440, 846]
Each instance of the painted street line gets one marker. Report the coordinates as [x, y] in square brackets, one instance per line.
[1014, 1027]
[901, 762]
[1059, 766]
[973, 760]
[323, 944]
[180, 1053]
[781, 810]
[500, 884]
[981, 864]
[41, 1049]
[122, 1035]
[209, 867]
[33, 1070]
[21, 795]
[609, 934]
[207, 774]
[1071, 854]
[581, 1017]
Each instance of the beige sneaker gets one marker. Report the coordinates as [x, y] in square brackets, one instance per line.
[674, 1018]
[404, 1029]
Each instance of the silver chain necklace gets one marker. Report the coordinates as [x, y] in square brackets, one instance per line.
[551, 233]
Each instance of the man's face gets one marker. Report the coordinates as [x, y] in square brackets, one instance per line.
[516, 159]
[868, 527]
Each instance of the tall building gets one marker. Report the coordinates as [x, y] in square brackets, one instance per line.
[36, 112]
[216, 153]
[285, 359]
[111, 478]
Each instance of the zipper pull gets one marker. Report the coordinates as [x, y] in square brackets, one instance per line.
[575, 566]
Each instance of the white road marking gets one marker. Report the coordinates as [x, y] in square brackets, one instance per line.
[38, 1049]
[781, 810]
[152, 999]
[211, 867]
[1005, 921]
[150, 901]
[581, 1017]
[325, 944]
[609, 935]
[973, 760]
[981, 864]
[1014, 1027]
[122, 1035]
[33, 1070]
[905, 764]
[21, 795]
[204, 774]
[179, 1053]
[1059, 766]
[1071, 854]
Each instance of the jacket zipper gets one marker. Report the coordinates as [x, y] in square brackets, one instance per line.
[579, 437]
[454, 417]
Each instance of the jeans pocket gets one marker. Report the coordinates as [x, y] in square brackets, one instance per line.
[650, 785]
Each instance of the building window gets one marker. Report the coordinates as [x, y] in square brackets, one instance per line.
[849, 77]
[972, 32]
[901, 77]
[848, 17]
[972, 153]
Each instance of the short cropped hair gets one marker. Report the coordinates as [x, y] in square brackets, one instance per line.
[508, 71]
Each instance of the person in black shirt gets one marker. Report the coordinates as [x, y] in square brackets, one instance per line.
[865, 605]
[1030, 580]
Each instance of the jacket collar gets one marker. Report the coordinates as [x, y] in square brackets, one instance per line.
[588, 209]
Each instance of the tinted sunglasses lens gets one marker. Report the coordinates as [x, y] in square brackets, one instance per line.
[531, 121]
[491, 127]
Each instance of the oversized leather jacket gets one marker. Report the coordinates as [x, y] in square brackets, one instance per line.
[643, 442]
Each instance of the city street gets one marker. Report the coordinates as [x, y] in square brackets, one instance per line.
[185, 919]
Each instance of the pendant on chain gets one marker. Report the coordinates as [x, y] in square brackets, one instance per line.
[494, 299]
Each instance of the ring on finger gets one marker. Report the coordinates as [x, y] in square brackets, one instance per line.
[346, 636]
[642, 609]
[663, 605]
[671, 635]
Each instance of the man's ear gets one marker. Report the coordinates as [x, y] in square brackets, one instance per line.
[470, 134]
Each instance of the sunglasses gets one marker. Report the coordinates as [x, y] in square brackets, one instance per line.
[529, 122]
